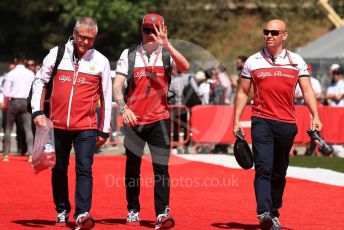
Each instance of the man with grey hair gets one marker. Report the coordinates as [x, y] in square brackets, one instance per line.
[81, 81]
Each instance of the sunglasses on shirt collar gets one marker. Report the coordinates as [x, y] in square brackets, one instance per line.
[148, 31]
[266, 32]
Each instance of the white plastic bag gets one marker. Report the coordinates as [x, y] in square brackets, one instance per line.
[43, 156]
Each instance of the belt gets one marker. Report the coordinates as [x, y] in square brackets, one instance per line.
[12, 99]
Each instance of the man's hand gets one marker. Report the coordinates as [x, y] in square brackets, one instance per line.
[2, 106]
[5, 104]
[316, 124]
[100, 141]
[237, 127]
[161, 35]
[129, 117]
[40, 121]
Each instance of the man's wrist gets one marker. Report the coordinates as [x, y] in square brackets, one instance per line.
[122, 106]
[167, 45]
[122, 109]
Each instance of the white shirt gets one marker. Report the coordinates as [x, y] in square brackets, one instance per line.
[18, 82]
[316, 88]
[204, 91]
[335, 89]
[2, 82]
[226, 83]
[178, 84]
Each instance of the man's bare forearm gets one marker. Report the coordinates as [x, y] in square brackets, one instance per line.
[119, 96]
[118, 93]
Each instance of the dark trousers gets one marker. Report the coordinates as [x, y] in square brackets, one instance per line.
[156, 135]
[271, 141]
[17, 108]
[84, 143]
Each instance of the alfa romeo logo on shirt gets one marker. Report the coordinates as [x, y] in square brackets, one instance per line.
[92, 68]
[153, 19]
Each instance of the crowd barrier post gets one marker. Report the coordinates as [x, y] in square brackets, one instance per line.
[180, 125]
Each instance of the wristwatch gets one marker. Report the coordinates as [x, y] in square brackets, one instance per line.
[122, 109]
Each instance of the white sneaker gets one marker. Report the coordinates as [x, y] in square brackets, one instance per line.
[174, 151]
[164, 220]
[133, 217]
[84, 222]
[5, 158]
[276, 225]
[62, 218]
[265, 221]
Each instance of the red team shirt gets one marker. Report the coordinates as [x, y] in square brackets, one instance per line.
[274, 84]
[148, 100]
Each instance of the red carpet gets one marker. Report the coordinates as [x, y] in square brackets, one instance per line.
[203, 196]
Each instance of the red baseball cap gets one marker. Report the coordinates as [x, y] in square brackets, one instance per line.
[153, 19]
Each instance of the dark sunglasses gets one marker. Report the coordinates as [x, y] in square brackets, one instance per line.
[148, 31]
[272, 32]
[30, 64]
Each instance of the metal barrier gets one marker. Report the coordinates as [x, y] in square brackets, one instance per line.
[116, 124]
[180, 125]
[207, 124]
[179, 121]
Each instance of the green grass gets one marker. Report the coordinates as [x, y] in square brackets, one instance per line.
[333, 163]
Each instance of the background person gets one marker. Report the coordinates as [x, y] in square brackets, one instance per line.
[3, 103]
[16, 89]
[185, 88]
[335, 97]
[316, 86]
[311, 145]
[335, 92]
[31, 65]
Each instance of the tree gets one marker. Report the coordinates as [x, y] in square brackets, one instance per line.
[226, 28]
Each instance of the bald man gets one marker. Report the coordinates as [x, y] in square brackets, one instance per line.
[274, 72]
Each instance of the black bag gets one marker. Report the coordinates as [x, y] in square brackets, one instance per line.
[49, 85]
[190, 96]
[323, 146]
[242, 152]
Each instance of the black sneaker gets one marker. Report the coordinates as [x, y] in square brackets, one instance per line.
[265, 221]
[164, 220]
[62, 218]
[84, 222]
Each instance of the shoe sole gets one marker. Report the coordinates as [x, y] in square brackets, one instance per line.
[134, 223]
[266, 224]
[167, 224]
[87, 224]
[6, 159]
[62, 224]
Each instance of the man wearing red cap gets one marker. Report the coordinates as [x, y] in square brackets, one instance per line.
[145, 113]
